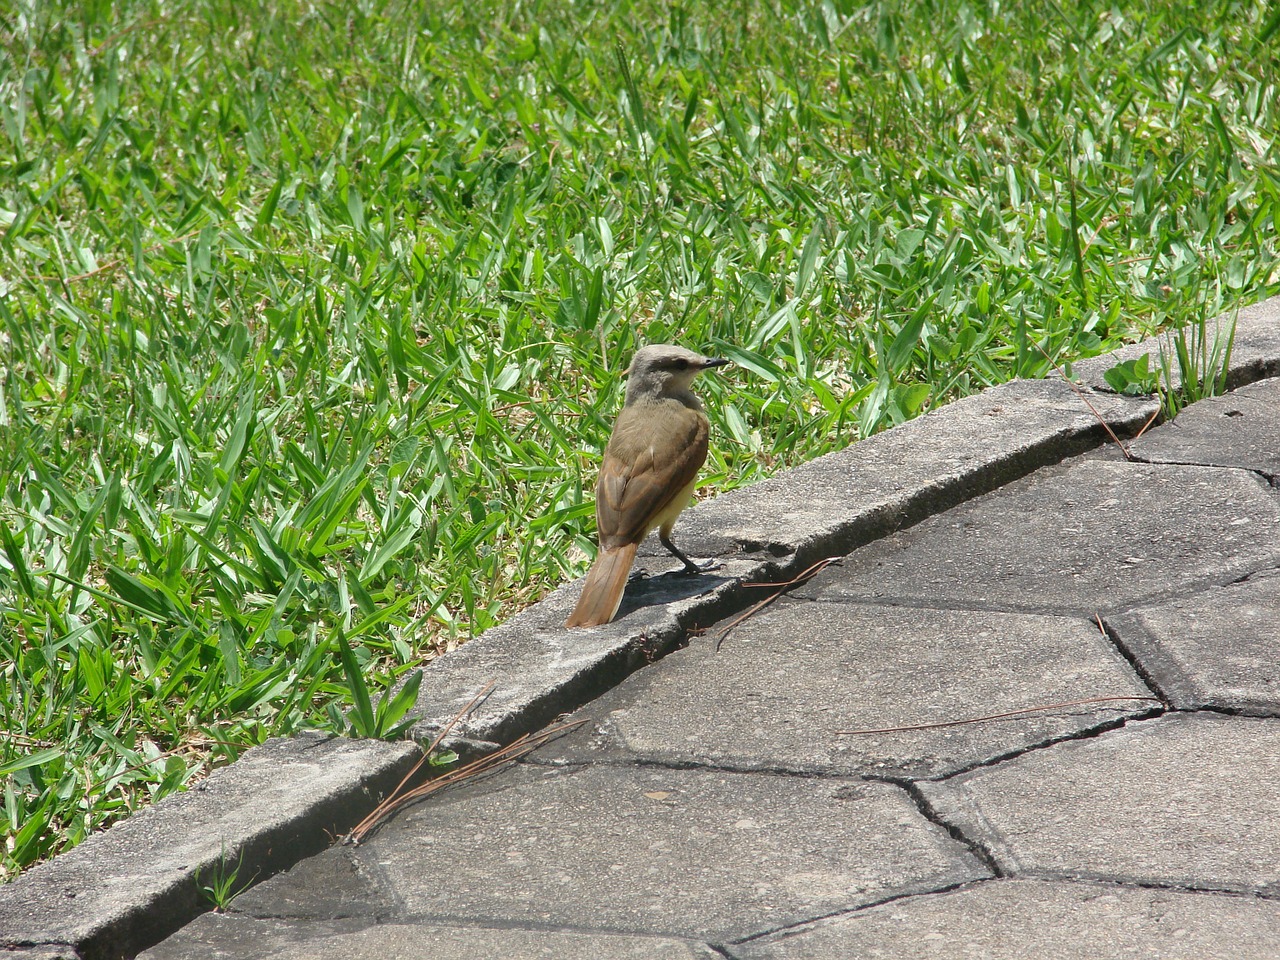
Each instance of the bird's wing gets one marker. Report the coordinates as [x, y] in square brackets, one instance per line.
[655, 453]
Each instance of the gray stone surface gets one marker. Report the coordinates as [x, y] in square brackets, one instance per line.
[333, 885]
[1023, 919]
[1084, 537]
[1186, 800]
[540, 669]
[218, 937]
[134, 883]
[836, 502]
[1255, 353]
[787, 680]
[40, 952]
[1219, 648]
[697, 854]
[1241, 429]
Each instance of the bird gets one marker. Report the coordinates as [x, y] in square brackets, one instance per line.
[650, 469]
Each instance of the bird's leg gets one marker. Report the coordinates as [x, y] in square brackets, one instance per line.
[690, 567]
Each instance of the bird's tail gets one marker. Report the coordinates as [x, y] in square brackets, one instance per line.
[602, 591]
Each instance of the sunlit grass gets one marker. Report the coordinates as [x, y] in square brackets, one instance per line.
[311, 314]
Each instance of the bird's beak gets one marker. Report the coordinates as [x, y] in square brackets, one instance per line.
[714, 362]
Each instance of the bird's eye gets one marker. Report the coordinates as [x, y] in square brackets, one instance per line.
[681, 363]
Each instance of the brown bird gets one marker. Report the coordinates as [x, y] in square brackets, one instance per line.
[650, 469]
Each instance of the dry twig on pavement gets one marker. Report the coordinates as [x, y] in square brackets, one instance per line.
[1094, 410]
[781, 589]
[490, 761]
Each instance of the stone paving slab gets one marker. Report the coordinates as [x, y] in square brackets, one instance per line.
[133, 884]
[1241, 429]
[1218, 649]
[230, 937]
[236, 936]
[1023, 919]
[696, 854]
[1085, 537]
[333, 885]
[1186, 800]
[787, 680]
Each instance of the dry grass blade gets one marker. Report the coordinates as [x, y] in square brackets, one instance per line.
[782, 588]
[383, 808]
[481, 765]
[1146, 426]
[990, 717]
[1094, 410]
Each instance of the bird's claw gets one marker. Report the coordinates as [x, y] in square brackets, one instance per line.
[692, 568]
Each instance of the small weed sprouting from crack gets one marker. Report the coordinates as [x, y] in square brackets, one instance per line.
[217, 886]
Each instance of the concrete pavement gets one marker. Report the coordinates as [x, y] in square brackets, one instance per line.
[819, 780]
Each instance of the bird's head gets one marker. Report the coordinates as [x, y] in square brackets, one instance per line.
[664, 369]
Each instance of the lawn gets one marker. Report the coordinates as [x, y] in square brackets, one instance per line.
[312, 314]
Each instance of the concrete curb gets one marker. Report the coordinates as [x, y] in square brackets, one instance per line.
[130, 886]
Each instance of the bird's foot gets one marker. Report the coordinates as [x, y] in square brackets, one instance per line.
[638, 574]
[692, 568]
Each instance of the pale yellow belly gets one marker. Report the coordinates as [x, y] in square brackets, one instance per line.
[665, 518]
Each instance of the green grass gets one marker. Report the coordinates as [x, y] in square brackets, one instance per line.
[311, 315]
